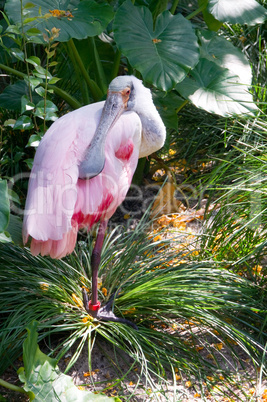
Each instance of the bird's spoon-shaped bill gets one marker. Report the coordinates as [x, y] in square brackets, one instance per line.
[94, 158]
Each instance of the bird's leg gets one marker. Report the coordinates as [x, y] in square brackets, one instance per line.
[94, 304]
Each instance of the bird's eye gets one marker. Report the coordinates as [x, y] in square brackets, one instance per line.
[128, 92]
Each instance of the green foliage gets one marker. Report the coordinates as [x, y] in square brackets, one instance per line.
[11, 97]
[237, 232]
[210, 87]
[4, 207]
[60, 55]
[164, 54]
[74, 20]
[224, 54]
[163, 49]
[219, 77]
[42, 378]
[193, 300]
[242, 12]
[58, 60]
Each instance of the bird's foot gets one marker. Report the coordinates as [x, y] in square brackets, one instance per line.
[104, 313]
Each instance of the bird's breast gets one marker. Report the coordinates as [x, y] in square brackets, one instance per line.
[125, 151]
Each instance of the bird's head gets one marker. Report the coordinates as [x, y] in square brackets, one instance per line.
[121, 89]
[125, 93]
[129, 93]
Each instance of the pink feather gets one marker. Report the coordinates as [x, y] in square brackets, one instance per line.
[58, 202]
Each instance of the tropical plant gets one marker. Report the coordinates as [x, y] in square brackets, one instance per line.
[42, 378]
[56, 51]
[186, 307]
[4, 212]
[164, 49]
[186, 311]
[237, 231]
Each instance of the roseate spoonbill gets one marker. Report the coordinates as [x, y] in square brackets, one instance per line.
[83, 169]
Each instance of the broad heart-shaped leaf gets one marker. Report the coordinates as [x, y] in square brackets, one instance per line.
[163, 55]
[212, 23]
[43, 379]
[167, 105]
[216, 90]
[4, 205]
[248, 12]
[225, 54]
[75, 19]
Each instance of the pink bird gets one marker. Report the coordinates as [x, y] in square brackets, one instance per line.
[83, 169]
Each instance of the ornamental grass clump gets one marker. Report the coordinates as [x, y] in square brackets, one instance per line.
[188, 313]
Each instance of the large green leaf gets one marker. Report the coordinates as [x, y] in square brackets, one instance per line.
[163, 55]
[10, 98]
[13, 231]
[167, 105]
[238, 11]
[75, 19]
[217, 90]
[212, 23]
[225, 54]
[4, 205]
[43, 379]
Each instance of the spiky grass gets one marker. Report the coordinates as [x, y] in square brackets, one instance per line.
[183, 310]
[237, 231]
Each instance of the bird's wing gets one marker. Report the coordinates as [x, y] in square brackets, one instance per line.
[58, 201]
[52, 192]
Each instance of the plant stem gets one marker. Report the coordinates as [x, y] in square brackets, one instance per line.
[12, 387]
[99, 67]
[80, 79]
[26, 63]
[60, 92]
[12, 71]
[194, 13]
[65, 96]
[45, 84]
[25, 49]
[174, 6]
[94, 88]
[181, 106]
[116, 65]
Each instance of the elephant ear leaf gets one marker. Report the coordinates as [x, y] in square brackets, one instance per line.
[221, 80]
[216, 90]
[248, 12]
[212, 23]
[163, 54]
[72, 19]
[222, 52]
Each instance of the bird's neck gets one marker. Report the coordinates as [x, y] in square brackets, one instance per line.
[153, 131]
